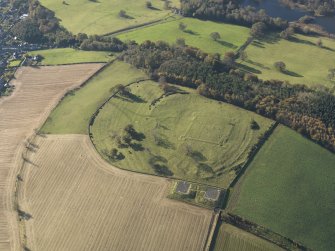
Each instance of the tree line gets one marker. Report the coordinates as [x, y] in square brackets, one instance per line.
[310, 112]
[318, 7]
[230, 11]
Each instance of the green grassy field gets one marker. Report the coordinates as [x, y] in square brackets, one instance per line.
[194, 137]
[231, 238]
[15, 63]
[197, 34]
[73, 113]
[289, 188]
[71, 56]
[101, 16]
[306, 63]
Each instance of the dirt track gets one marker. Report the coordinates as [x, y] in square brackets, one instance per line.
[37, 92]
[79, 202]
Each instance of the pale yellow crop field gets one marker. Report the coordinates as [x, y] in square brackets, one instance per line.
[79, 202]
[37, 91]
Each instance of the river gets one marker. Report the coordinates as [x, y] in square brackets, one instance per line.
[275, 9]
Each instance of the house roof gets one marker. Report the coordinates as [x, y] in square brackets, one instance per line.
[212, 194]
[183, 187]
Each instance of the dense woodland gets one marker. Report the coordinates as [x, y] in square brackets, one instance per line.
[318, 7]
[41, 26]
[231, 11]
[310, 112]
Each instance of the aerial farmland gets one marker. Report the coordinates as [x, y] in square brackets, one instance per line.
[173, 125]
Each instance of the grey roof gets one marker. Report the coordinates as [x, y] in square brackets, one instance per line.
[183, 187]
[212, 194]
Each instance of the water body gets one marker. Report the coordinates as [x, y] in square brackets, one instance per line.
[275, 9]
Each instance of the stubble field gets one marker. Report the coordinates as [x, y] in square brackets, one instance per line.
[79, 202]
[37, 92]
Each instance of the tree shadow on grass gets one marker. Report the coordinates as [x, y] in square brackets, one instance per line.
[154, 8]
[198, 156]
[131, 98]
[257, 64]
[191, 32]
[137, 147]
[227, 44]
[258, 44]
[301, 41]
[293, 74]
[247, 68]
[271, 38]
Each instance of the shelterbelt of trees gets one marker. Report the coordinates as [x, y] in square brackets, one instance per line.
[231, 11]
[308, 111]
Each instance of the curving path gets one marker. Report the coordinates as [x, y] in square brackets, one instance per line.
[37, 91]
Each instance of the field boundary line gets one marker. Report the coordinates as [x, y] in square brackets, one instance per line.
[77, 88]
[213, 228]
[262, 232]
[143, 25]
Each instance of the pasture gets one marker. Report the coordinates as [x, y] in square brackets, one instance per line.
[72, 115]
[181, 135]
[196, 34]
[306, 63]
[37, 91]
[71, 56]
[230, 238]
[78, 201]
[101, 17]
[289, 188]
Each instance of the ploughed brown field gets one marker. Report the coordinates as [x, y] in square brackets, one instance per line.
[37, 92]
[79, 202]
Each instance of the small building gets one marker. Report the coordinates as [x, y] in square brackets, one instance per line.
[212, 194]
[183, 187]
[24, 16]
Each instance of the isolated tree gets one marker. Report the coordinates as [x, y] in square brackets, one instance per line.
[130, 130]
[148, 4]
[180, 42]
[254, 125]
[319, 43]
[113, 154]
[243, 55]
[258, 29]
[280, 66]
[166, 4]
[182, 26]
[229, 58]
[122, 13]
[127, 139]
[331, 74]
[215, 36]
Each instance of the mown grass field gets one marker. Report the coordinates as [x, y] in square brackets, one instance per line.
[194, 137]
[289, 188]
[71, 56]
[101, 17]
[197, 34]
[306, 63]
[73, 113]
[230, 238]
